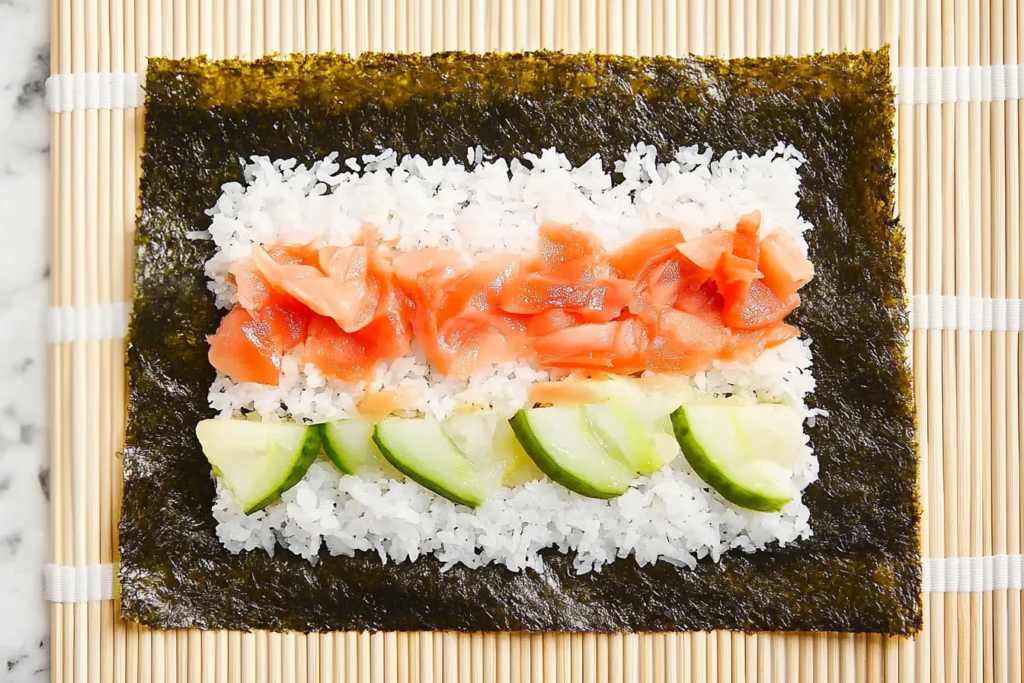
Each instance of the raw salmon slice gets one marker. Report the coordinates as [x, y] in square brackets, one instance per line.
[338, 354]
[658, 290]
[703, 302]
[631, 343]
[288, 318]
[637, 259]
[762, 308]
[292, 254]
[352, 304]
[785, 269]
[423, 274]
[558, 244]
[456, 319]
[473, 340]
[689, 333]
[252, 288]
[481, 288]
[389, 335]
[706, 251]
[746, 243]
[591, 345]
[746, 345]
[734, 276]
[244, 349]
[550, 321]
[663, 355]
[584, 286]
[738, 269]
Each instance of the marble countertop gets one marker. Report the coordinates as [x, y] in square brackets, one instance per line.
[24, 290]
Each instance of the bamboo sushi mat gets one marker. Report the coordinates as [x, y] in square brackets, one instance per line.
[960, 183]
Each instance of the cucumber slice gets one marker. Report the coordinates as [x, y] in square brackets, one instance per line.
[563, 445]
[745, 452]
[473, 435]
[521, 468]
[629, 436]
[634, 424]
[419, 448]
[258, 460]
[489, 443]
[349, 445]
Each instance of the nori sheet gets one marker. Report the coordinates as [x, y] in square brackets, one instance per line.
[859, 572]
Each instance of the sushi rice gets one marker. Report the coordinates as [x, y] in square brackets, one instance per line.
[477, 207]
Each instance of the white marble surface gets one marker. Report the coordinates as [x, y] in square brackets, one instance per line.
[24, 283]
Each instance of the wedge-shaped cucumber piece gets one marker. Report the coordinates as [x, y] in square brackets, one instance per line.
[349, 445]
[488, 441]
[562, 443]
[521, 468]
[633, 423]
[419, 449]
[632, 435]
[258, 460]
[745, 452]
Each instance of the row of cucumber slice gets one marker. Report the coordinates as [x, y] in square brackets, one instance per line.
[745, 452]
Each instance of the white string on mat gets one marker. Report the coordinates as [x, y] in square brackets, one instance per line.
[942, 84]
[965, 313]
[94, 90]
[913, 85]
[91, 583]
[973, 574]
[88, 321]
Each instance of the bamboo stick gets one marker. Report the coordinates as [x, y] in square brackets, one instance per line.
[61, 648]
[616, 657]
[109, 210]
[522, 664]
[764, 658]
[426, 648]
[147, 655]
[631, 658]
[912, 160]
[966, 505]
[165, 656]
[941, 49]
[80, 426]
[504, 659]
[984, 28]
[550, 656]
[176, 647]
[136, 50]
[390, 657]
[739, 657]
[976, 628]
[439, 640]
[489, 657]
[777, 44]
[1001, 644]
[944, 648]
[204, 666]
[536, 645]
[415, 655]
[1015, 349]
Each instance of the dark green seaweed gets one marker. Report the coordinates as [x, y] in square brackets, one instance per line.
[861, 569]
